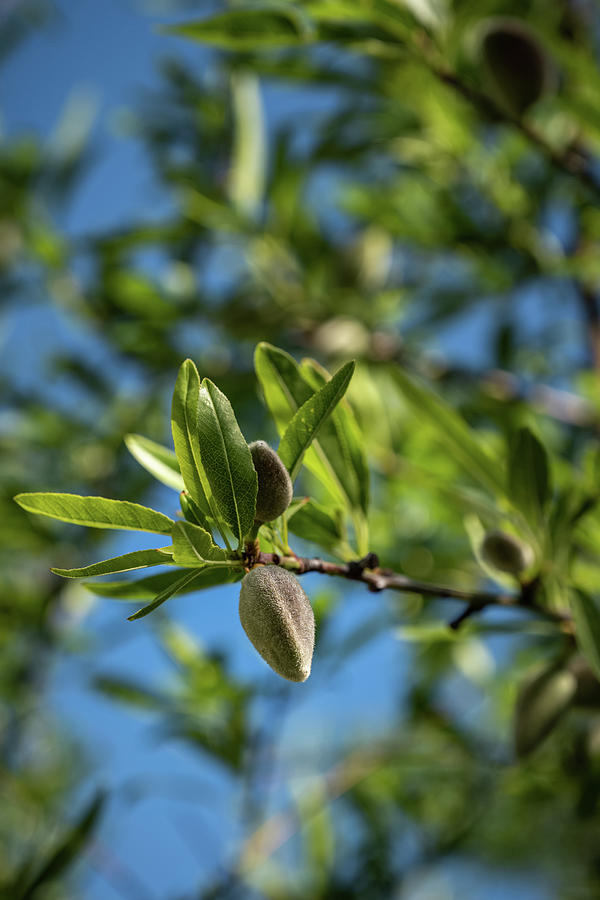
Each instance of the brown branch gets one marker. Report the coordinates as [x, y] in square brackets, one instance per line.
[571, 161]
[368, 572]
[591, 312]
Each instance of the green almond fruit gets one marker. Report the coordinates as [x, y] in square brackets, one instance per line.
[516, 63]
[279, 621]
[504, 552]
[588, 686]
[275, 488]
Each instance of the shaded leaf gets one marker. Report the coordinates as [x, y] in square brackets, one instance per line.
[128, 691]
[149, 587]
[305, 425]
[283, 386]
[138, 559]
[342, 443]
[247, 29]
[540, 705]
[315, 523]
[285, 391]
[193, 546]
[68, 849]
[96, 512]
[165, 594]
[452, 431]
[587, 627]
[156, 459]
[528, 475]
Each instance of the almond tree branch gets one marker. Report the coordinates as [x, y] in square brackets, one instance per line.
[368, 572]
[571, 161]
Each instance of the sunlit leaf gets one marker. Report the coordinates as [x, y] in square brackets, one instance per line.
[96, 512]
[184, 425]
[226, 460]
[156, 459]
[305, 425]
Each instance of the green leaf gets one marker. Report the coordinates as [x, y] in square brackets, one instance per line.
[247, 29]
[192, 513]
[226, 460]
[68, 849]
[148, 587]
[96, 512]
[540, 705]
[342, 443]
[452, 431]
[164, 595]
[315, 523]
[184, 426]
[247, 170]
[284, 387]
[307, 422]
[193, 546]
[528, 475]
[156, 459]
[128, 691]
[587, 627]
[285, 391]
[138, 559]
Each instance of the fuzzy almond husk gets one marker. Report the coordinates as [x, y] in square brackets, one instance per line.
[278, 619]
[275, 488]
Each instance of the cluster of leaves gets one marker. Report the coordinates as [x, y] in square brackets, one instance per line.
[212, 468]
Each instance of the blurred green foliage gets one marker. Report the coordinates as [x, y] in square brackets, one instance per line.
[402, 203]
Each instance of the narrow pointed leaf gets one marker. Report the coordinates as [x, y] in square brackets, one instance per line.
[307, 422]
[68, 849]
[192, 512]
[247, 29]
[285, 390]
[314, 522]
[164, 595]
[184, 426]
[540, 705]
[96, 512]
[528, 475]
[138, 559]
[156, 459]
[586, 613]
[128, 691]
[142, 589]
[226, 460]
[452, 431]
[247, 171]
[193, 546]
[283, 386]
[342, 443]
